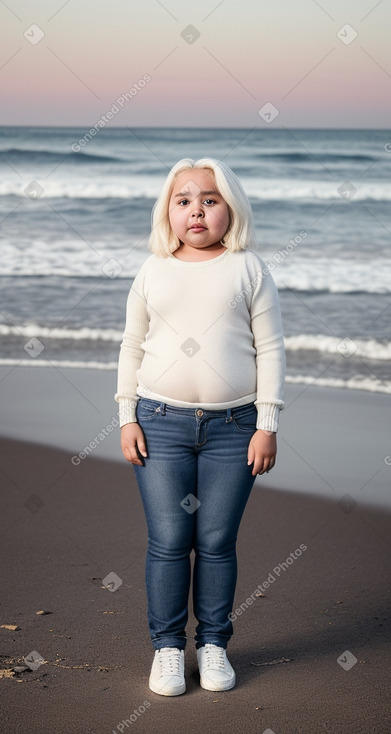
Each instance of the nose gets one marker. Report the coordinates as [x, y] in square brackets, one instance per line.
[196, 208]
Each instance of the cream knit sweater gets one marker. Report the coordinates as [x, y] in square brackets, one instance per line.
[204, 335]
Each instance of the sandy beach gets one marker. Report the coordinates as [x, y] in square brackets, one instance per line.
[311, 653]
[331, 442]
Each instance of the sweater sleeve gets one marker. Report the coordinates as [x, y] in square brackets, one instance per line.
[131, 352]
[268, 335]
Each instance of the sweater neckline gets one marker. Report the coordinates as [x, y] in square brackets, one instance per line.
[200, 263]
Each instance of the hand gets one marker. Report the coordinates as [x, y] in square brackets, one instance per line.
[262, 451]
[132, 438]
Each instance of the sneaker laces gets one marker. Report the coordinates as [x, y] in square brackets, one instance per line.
[214, 657]
[169, 661]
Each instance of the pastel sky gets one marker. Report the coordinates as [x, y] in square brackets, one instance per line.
[210, 62]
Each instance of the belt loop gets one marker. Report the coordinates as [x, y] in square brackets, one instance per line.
[229, 416]
[163, 408]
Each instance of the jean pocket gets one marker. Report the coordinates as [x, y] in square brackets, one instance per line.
[246, 420]
[145, 411]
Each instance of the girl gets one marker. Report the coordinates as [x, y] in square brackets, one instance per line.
[200, 387]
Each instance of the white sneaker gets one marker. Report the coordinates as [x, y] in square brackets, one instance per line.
[216, 672]
[168, 672]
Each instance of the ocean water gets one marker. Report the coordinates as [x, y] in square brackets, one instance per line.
[75, 221]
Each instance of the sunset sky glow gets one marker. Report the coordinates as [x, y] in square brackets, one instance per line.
[210, 63]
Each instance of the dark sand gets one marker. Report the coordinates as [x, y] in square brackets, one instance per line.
[65, 527]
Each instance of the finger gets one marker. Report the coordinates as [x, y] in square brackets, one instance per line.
[131, 455]
[265, 467]
[250, 455]
[257, 469]
[142, 448]
[270, 466]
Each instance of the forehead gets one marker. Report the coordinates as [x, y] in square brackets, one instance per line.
[193, 181]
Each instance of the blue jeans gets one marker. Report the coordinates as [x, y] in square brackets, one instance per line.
[194, 486]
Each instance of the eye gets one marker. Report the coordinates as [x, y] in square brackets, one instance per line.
[183, 201]
[210, 201]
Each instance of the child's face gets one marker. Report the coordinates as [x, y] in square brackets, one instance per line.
[195, 200]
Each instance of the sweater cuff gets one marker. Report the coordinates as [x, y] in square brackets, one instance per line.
[127, 411]
[268, 417]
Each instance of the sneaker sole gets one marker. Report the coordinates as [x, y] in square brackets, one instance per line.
[213, 686]
[169, 692]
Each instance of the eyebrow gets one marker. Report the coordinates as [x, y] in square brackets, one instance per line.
[203, 193]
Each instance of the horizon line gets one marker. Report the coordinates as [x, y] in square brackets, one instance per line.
[194, 127]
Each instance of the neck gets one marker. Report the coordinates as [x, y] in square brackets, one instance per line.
[193, 254]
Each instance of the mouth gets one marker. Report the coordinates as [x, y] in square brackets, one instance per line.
[197, 227]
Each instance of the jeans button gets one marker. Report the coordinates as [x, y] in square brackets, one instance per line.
[199, 412]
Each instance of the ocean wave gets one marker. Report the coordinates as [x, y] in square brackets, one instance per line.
[313, 156]
[81, 189]
[330, 275]
[146, 187]
[69, 258]
[36, 156]
[298, 269]
[354, 383]
[85, 333]
[91, 365]
[314, 190]
[370, 349]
